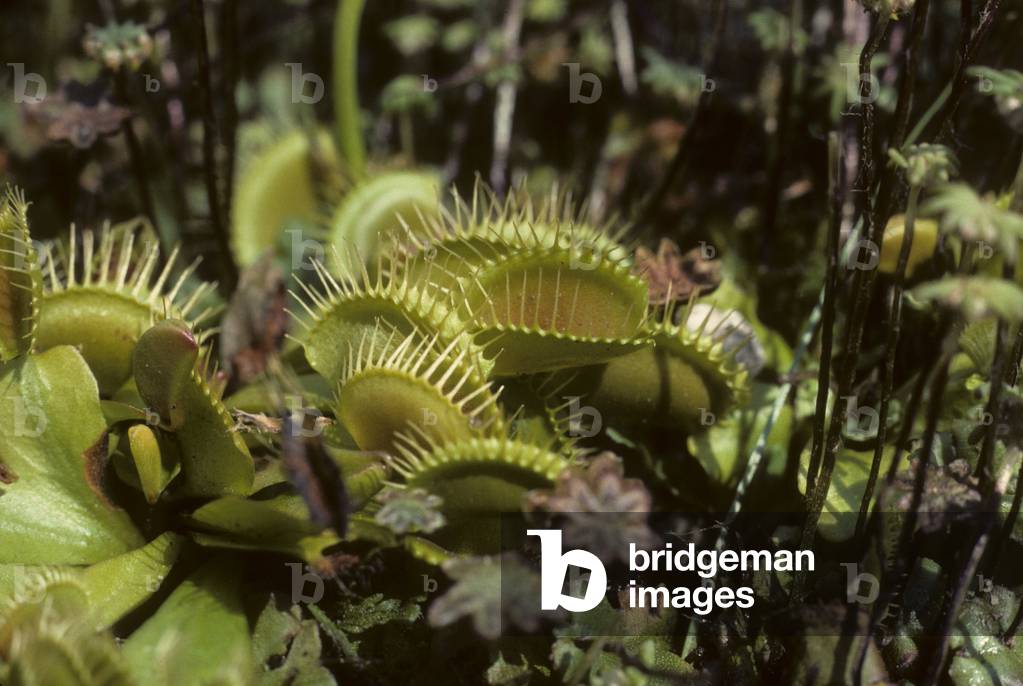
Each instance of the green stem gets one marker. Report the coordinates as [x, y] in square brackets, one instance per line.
[346, 86]
[406, 135]
[929, 115]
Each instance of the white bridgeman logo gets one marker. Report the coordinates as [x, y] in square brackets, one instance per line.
[554, 567]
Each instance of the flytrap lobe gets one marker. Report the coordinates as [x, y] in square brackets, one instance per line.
[391, 382]
[683, 375]
[21, 282]
[452, 244]
[478, 479]
[102, 296]
[349, 302]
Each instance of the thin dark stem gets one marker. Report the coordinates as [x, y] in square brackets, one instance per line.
[1004, 369]
[862, 285]
[993, 414]
[504, 106]
[1007, 526]
[684, 151]
[904, 554]
[894, 325]
[1006, 533]
[229, 26]
[772, 198]
[209, 142]
[970, 43]
[902, 111]
[904, 106]
[828, 309]
[937, 660]
[1017, 358]
[138, 165]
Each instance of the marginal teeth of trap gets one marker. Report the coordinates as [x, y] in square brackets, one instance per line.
[108, 268]
[484, 228]
[103, 292]
[392, 382]
[505, 463]
[343, 307]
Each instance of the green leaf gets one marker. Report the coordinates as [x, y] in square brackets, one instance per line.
[283, 633]
[546, 11]
[1006, 87]
[21, 282]
[171, 378]
[848, 483]
[724, 449]
[974, 218]
[975, 297]
[406, 93]
[198, 636]
[413, 33]
[154, 464]
[117, 586]
[51, 420]
[669, 79]
[279, 524]
[772, 29]
[376, 610]
[459, 35]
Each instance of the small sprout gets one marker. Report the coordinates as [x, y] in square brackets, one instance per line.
[773, 28]
[975, 297]
[925, 164]
[406, 511]
[889, 8]
[1006, 87]
[492, 592]
[973, 218]
[413, 33]
[117, 46]
[405, 94]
